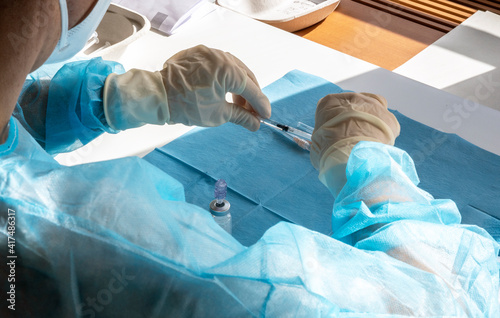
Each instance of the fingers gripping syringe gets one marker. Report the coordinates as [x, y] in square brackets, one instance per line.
[300, 137]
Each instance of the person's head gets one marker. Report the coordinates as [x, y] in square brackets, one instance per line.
[73, 13]
[32, 28]
[29, 33]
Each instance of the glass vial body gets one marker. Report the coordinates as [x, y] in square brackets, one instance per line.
[222, 216]
[225, 222]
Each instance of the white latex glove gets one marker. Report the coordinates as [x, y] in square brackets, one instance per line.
[191, 89]
[342, 120]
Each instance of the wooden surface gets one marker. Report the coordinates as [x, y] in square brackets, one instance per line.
[388, 33]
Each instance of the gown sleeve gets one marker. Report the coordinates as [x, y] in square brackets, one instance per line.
[65, 111]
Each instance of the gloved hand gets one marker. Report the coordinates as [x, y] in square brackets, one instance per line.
[191, 89]
[342, 120]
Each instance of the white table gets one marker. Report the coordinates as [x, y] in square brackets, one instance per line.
[271, 53]
[464, 62]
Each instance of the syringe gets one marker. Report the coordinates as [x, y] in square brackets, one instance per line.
[300, 137]
[286, 128]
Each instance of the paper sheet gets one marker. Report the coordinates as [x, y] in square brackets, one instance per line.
[464, 62]
[271, 179]
[166, 15]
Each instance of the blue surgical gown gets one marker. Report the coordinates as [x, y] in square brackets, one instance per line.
[117, 239]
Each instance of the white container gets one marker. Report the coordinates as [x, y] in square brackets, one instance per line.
[289, 15]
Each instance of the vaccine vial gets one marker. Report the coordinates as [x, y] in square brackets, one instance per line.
[219, 207]
[222, 216]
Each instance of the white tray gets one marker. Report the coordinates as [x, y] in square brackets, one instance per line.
[119, 27]
[289, 15]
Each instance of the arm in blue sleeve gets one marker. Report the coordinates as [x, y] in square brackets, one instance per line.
[382, 187]
[66, 112]
[381, 209]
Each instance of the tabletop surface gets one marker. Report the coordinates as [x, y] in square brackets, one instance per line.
[271, 53]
